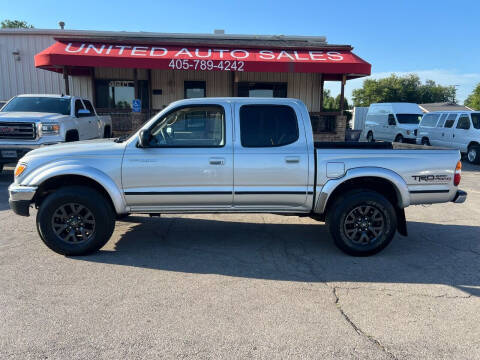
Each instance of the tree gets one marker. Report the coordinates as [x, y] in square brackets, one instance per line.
[408, 88]
[15, 24]
[473, 100]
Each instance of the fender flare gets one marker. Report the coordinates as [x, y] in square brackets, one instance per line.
[45, 173]
[396, 180]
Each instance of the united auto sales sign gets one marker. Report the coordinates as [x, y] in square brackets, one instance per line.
[204, 58]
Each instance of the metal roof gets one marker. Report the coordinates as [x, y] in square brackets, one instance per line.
[443, 106]
[274, 41]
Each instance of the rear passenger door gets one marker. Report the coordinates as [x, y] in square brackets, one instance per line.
[270, 158]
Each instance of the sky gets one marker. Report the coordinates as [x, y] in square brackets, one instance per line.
[438, 40]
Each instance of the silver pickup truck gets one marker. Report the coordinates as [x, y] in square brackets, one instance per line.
[219, 155]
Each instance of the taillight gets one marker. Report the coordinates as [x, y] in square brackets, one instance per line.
[458, 174]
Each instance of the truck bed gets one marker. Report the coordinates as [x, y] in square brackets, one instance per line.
[376, 145]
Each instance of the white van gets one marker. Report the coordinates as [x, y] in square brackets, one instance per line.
[392, 122]
[453, 129]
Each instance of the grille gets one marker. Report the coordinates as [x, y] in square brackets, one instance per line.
[17, 130]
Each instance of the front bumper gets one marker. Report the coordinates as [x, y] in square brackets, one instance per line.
[460, 197]
[20, 198]
[11, 154]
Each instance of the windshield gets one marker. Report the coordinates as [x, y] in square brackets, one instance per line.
[39, 104]
[476, 120]
[409, 118]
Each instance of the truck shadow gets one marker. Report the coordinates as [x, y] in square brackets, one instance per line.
[432, 254]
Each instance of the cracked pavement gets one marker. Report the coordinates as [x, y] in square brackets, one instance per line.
[245, 286]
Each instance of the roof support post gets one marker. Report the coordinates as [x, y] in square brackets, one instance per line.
[322, 83]
[65, 78]
[342, 93]
[135, 82]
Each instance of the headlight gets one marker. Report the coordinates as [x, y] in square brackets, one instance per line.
[19, 169]
[50, 129]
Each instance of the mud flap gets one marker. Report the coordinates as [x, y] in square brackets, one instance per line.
[401, 222]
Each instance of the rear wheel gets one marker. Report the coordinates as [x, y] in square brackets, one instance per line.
[399, 139]
[75, 220]
[362, 222]
[425, 141]
[473, 154]
[370, 137]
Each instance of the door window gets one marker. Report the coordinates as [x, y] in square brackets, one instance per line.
[441, 121]
[267, 125]
[89, 107]
[78, 106]
[450, 120]
[463, 122]
[194, 126]
[391, 120]
[429, 120]
[476, 120]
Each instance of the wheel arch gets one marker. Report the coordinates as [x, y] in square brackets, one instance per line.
[473, 143]
[381, 180]
[52, 178]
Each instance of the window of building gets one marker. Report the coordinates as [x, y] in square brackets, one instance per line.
[463, 122]
[196, 126]
[195, 89]
[119, 94]
[323, 123]
[267, 125]
[262, 89]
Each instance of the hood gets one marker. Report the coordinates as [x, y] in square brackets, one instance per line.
[21, 116]
[88, 148]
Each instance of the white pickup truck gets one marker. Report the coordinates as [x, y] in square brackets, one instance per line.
[30, 121]
[215, 155]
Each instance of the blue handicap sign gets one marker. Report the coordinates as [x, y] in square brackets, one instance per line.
[136, 105]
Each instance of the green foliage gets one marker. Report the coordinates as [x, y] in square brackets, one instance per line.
[15, 24]
[473, 100]
[331, 103]
[402, 89]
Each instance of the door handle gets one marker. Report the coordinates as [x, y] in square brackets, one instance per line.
[217, 161]
[292, 159]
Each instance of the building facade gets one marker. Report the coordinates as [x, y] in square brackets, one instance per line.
[114, 68]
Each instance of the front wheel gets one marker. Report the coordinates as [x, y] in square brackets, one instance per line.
[399, 139]
[473, 154]
[370, 137]
[75, 220]
[362, 222]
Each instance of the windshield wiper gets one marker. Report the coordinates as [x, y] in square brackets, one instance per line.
[121, 139]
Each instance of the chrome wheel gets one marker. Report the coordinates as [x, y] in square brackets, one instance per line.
[73, 223]
[364, 224]
[472, 154]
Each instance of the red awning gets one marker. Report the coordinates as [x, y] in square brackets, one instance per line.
[78, 56]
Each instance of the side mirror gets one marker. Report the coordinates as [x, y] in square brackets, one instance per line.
[144, 138]
[83, 112]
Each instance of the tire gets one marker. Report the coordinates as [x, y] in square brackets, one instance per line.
[71, 136]
[473, 154]
[399, 138]
[106, 132]
[425, 141]
[96, 219]
[370, 137]
[380, 212]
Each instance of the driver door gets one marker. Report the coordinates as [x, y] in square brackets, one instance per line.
[188, 163]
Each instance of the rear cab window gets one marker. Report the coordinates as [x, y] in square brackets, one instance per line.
[268, 126]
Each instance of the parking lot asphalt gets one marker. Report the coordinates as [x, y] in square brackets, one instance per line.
[245, 286]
